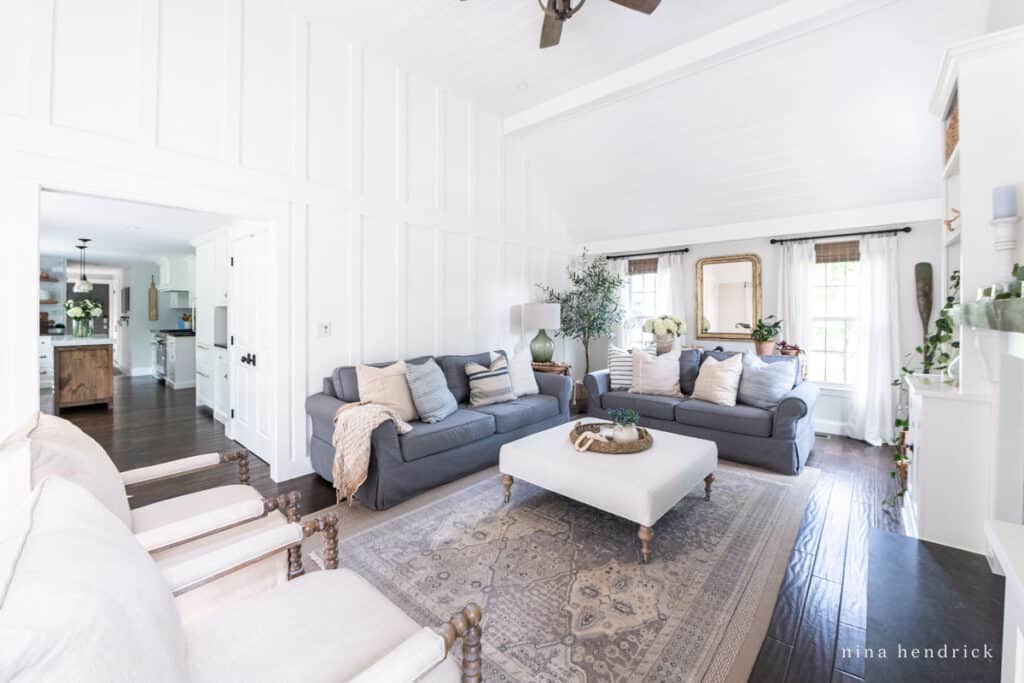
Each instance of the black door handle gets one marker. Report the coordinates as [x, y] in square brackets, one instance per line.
[252, 359]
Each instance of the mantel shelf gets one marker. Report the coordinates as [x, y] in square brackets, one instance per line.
[1006, 315]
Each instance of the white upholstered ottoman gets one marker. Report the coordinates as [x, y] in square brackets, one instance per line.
[640, 487]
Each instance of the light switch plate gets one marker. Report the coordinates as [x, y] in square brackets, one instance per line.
[323, 329]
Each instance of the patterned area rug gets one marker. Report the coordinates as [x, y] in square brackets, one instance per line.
[563, 593]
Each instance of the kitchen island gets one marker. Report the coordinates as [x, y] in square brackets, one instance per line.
[83, 371]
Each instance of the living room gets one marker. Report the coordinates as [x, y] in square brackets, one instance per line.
[710, 318]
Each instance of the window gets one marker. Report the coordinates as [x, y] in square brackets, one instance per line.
[642, 298]
[834, 300]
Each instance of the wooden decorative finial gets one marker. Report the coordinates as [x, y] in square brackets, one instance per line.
[466, 625]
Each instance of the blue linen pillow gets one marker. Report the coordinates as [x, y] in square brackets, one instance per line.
[433, 399]
[762, 384]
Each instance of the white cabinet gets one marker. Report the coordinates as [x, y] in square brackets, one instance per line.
[205, 365]
[177, 273]
[221, 385]
[221, 269]
[181, 362]
[46, 362]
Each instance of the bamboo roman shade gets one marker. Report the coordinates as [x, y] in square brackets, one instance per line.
[641, 266]
[836, 252]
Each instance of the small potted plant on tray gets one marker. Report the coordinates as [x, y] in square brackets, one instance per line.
[625, 420]
[763, 332]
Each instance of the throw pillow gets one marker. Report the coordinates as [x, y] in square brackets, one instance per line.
[620, 368]
[520, 371]
[658, 375]
[719, 380]
[764, 384]
[388, 387]
[489, 385]
[433, 399]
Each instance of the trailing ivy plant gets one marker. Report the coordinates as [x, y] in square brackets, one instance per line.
[935, 353]
[591, 307]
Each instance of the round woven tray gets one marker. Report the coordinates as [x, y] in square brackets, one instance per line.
[645, 441]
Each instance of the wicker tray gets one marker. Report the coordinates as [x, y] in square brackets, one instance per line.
[645, 441]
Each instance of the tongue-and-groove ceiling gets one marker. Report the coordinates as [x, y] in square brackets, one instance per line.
[821, 118]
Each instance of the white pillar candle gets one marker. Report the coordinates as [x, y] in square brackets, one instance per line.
[1004, 202]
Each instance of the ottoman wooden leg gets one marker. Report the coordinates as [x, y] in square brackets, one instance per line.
[506, 481]
[707, 486]
[646, 536]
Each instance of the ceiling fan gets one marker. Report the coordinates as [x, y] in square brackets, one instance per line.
[557, 12]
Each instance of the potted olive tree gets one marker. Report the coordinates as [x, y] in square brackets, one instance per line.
[590, 307]
[763, 332]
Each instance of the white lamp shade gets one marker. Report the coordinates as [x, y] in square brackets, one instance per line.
[542, 316]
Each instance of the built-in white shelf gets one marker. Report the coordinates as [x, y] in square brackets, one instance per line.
[952, 167]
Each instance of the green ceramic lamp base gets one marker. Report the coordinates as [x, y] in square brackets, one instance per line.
[542, 348]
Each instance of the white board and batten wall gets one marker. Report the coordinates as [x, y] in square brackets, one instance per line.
[402, 221]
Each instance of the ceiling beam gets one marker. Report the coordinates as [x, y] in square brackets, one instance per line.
[778, 24]
[789, 226]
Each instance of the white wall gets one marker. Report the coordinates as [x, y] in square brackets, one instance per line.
[400, 215]
[1003, 14]
[921, 244]
[139, 332]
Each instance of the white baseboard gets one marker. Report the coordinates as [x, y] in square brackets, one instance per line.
[139, 372]
[830, 427]
[181, 385]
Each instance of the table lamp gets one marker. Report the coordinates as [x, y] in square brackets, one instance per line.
[542, 317]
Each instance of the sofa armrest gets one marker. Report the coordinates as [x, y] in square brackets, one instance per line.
[795, 406]
[558, 386]
[196, 463]
[597, 384]
[322, 407]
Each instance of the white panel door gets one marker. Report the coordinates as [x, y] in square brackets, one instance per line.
[250, 350]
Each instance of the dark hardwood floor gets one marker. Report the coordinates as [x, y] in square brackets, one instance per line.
[151, 423]
[822, 604]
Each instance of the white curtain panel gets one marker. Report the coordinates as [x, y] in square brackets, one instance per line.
[671, 297]
[795, 265]
[877, 361]
[621, 266]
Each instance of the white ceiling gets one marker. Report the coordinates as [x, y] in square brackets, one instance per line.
[488, 49]
[833, 119]
[122, 232]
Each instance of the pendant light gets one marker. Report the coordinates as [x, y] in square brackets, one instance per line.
[82, 285]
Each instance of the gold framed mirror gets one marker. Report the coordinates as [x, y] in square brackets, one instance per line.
[728, 293]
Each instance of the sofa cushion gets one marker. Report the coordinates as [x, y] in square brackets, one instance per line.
[454, 369]
[689, 367]
[722, 355]
[346, 385]
[525, 410]
[719, 381]
[430, 393]
[489, 385]
[648, 405]
[458, 429]
[60, 448]
[520, 371]
[80, 600]
[738, 419]
[765, 384]
[656, 374]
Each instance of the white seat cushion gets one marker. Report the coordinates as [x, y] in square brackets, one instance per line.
[640, 487]
[61, 449]
[325, 626]
[173, 520]
[79, 599]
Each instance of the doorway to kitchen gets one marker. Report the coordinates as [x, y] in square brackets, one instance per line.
[137, 319]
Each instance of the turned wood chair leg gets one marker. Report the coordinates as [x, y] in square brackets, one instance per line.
[466, 625]
[242, 458]
[707, 486]
[646, 535]
[506, 482]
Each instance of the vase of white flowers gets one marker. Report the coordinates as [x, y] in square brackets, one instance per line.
[666, 329]
[82, 312]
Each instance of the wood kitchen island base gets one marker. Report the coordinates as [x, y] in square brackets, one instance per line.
[83, 374]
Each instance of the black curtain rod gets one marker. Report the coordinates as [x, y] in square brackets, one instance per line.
[891, 231]
[624, 254]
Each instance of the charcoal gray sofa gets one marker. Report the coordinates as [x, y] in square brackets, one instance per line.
[432, 454]
[780, 439]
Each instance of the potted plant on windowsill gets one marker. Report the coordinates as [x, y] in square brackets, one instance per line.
[763, 332]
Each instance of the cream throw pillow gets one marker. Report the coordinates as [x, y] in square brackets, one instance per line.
[658, 375]
[719, 380]
[387, 387]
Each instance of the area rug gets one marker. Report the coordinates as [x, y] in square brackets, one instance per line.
[563, 593]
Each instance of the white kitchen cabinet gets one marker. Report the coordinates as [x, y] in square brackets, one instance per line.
[45, 362]
[181, 362]
[221, 269]
[177, 273]
[221, 385]
[205, 373]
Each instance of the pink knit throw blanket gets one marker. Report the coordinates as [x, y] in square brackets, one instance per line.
[353, 426]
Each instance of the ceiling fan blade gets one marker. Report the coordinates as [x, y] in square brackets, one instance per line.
[551, 30]
[645, 6]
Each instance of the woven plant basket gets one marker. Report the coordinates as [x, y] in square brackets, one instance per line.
[645, 441]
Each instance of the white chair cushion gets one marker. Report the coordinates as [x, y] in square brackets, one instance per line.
[325, 626]
[15, 473]
[174, 520]
[61, 449]
[79, 599]
[414, 656]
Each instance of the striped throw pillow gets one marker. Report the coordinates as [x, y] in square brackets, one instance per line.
[489, 385]
[620, 368]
